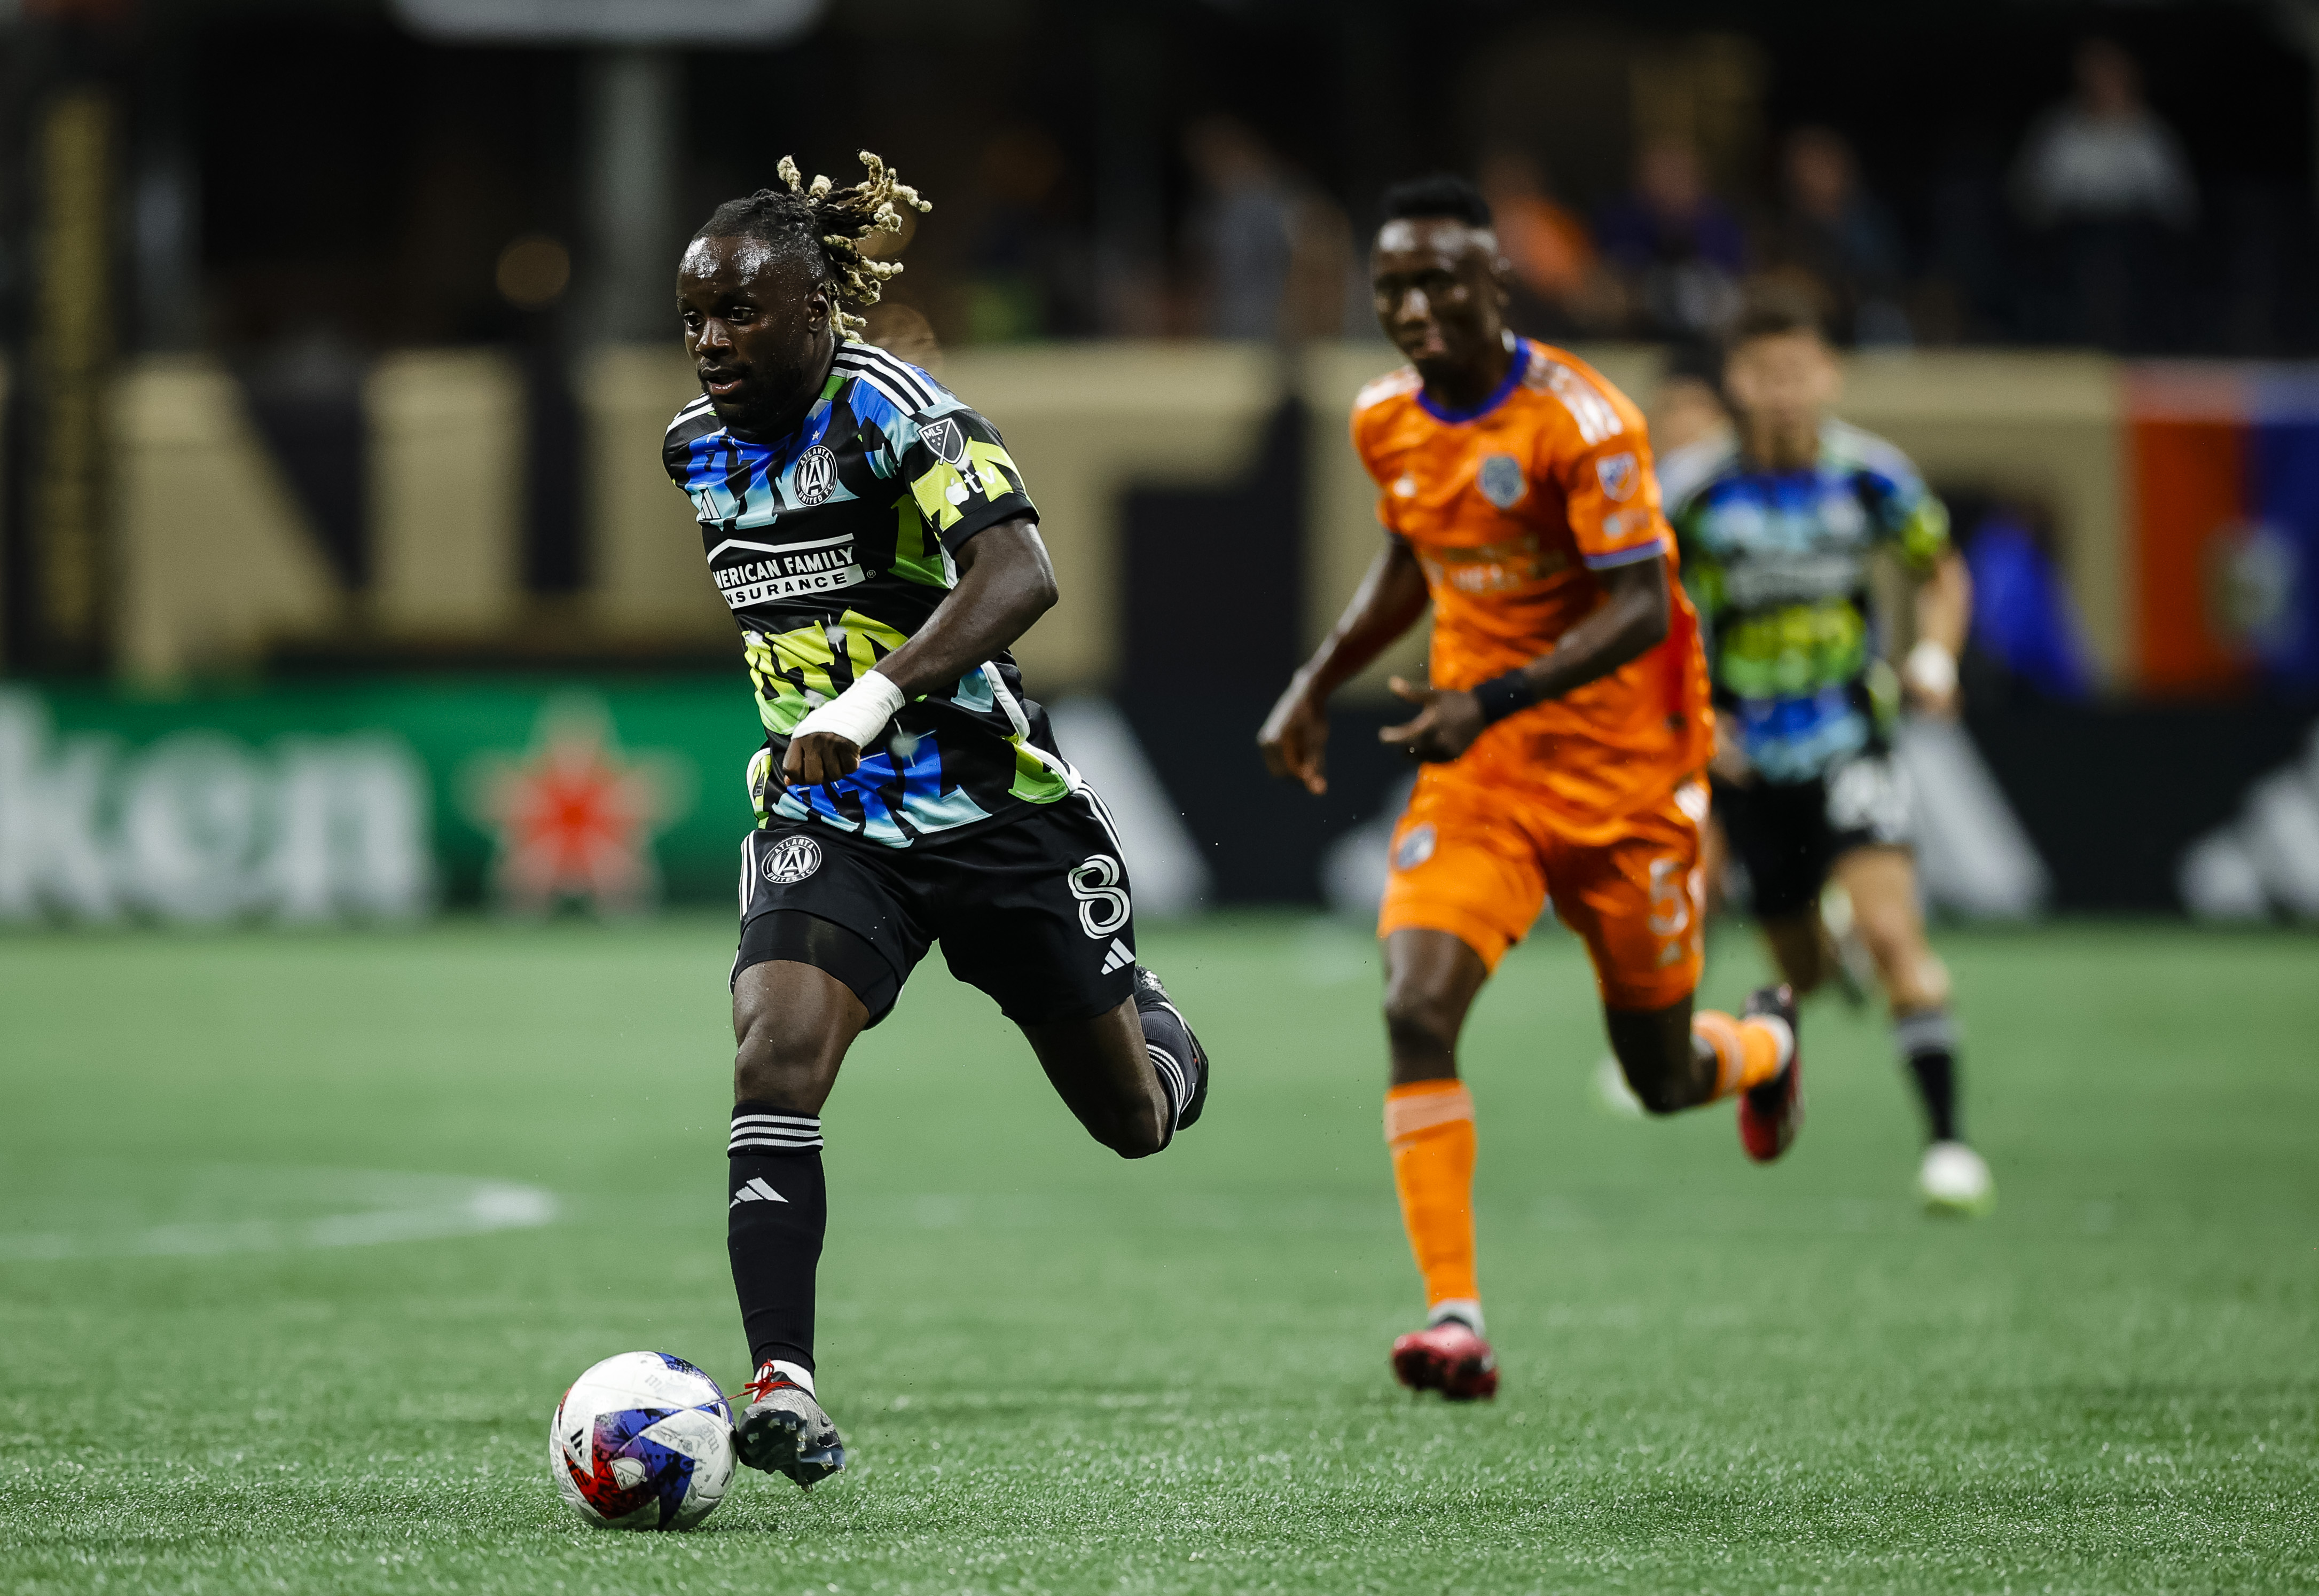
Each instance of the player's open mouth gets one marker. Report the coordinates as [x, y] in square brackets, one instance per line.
[721, 381]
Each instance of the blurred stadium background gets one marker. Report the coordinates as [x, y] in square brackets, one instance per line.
[339, 568]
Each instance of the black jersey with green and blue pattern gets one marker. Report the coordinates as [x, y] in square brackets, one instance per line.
[832, 547]
[1777, 563]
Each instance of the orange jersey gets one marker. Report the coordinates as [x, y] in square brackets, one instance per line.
[1511, 507]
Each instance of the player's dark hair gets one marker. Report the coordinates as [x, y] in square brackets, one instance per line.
[824, 227]
[1437, 194]
[1774, 310]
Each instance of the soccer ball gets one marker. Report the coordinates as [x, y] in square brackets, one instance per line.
[641, 1441]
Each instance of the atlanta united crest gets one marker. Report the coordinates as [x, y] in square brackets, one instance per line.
[817, 474]
[790, 859]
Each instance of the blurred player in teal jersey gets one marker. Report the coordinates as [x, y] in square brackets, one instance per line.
[1778, 521]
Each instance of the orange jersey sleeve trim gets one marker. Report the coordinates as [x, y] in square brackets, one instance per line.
[1602, 460]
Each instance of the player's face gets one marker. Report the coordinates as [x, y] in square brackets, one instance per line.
[758, 332]
[1437, 293]
[1785, 380]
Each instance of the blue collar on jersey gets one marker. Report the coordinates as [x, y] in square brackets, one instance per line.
[783, 452]
[1513, 376]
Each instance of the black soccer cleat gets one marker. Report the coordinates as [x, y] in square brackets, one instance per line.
[1150, 994]
[783, 1431]
[1770, 1115]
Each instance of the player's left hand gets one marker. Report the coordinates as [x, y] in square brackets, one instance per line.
[1442, 730]
[818, 757]
[1942, 704]
[1928, 679]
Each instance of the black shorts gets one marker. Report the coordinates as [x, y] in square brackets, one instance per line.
[1787, 835]
[1035, 911]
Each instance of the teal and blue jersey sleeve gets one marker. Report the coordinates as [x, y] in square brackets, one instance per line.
[956, 468]
[946, 457]
[1908, 514]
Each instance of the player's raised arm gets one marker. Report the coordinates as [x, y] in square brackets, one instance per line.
[1387, 603]
[1005, 584]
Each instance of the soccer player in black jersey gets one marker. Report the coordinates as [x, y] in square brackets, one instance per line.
[877, 546]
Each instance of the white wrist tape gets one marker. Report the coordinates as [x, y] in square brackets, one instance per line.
[1931, 669]
[857, 714]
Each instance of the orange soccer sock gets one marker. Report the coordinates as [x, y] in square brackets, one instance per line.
[1747, 1051]
[1428, 1125]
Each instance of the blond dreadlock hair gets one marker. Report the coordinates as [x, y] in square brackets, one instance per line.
[825, 227]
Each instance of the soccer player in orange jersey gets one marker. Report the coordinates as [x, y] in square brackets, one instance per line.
[1563, 736]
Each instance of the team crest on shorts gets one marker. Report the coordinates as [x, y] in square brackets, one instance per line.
[946, 439]
[1416, 846]
[817, 474]
[790, 859]
[1502, 480]
[1618, 474]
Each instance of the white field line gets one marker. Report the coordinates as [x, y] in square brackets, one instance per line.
[406, 1208]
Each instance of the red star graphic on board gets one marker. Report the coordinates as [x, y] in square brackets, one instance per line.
[575, 815]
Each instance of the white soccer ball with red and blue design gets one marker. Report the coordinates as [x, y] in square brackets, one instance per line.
[641, 1441]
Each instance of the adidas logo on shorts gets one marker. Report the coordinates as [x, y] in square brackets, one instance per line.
[1119, 958]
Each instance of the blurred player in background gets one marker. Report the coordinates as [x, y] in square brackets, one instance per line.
[1689, 407]
[876, 544]
[1564, 735]
[1778, 521]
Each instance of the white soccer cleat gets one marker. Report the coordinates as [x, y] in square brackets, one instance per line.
[1953, 1179]
[1612, 1092]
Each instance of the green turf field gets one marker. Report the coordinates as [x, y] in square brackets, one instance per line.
[247, 1346]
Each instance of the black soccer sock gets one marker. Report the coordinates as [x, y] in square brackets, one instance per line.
[773, 1223]
[1927, 1042]
[1175, 1056]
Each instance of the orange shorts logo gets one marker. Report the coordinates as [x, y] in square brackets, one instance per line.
[1416, 847]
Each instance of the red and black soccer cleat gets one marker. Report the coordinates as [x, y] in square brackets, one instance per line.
[1770, 1115]
[1449, 1357]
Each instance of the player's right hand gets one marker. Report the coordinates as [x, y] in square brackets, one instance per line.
[818, 757]
[1295, 739]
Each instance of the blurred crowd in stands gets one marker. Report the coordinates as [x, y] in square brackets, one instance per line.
[1639, 176]
[2102, 205]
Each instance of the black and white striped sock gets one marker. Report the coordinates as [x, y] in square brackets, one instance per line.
[1175, 1056]
[776, 1211]
[1927, 1043]
[758, 1128]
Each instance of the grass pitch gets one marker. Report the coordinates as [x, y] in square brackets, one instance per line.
[279, 1314]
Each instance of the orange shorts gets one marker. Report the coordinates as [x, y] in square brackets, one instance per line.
[1479, 859]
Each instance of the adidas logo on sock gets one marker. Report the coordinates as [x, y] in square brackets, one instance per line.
[1119, 958]
[756, 1191]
